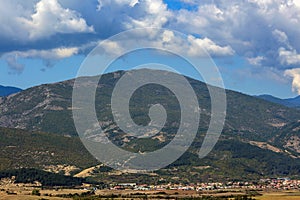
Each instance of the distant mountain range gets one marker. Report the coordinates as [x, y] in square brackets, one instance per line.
[5, 91]
[260, 139]
[291, 102]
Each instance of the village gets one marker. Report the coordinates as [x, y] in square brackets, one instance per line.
[263, 184]
[271, 186]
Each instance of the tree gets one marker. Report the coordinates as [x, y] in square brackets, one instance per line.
[36, 192]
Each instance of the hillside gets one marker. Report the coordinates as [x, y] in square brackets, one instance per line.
[25, 149]
[256, 140]
[289, 137]
[231, 159]
[5, 90]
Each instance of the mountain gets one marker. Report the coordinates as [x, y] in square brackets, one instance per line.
[295, 102]
[5, 91]
[291, 102]
[48, 108]
[256, 141]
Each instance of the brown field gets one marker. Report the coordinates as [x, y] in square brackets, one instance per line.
[21, 192]
[28, 197]
[280, 196]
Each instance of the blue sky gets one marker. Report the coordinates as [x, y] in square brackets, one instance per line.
[254, 43]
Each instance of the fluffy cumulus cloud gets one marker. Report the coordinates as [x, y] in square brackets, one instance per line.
[32, 20]
[50, 18]
[129, 14]
[29, 25]
[60, 19]
[253, 28]
[264, 32]
[295, 74]
[211, 47]
[184, 45]
[289, 57]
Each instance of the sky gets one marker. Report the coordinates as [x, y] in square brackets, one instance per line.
[254, 43]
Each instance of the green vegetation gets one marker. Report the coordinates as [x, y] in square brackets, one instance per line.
[24, 149]
[289, 138]
[159, 195]
[48, 108]
[45, 178]
[145, 196]
[231, 160]
[36, 192]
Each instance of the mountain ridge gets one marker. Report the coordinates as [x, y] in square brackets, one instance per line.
[25, 110]
[289, 102]
[8, 90]
[253, 130]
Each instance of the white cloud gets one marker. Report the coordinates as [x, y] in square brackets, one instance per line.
[134, 2]
[57, 53]
[184, 45]
[112, 47]
[264, 32]
[197, 44]
[281, 37]
[295, 75]
[256, 61]
[252, 28]
[193, 46]
[192, 2]
[51, 18]
[10, 13]
[288, 57]
[168, 36]
[262, 3]
[154, 14]
[297, 3]
[32, 20]
[128, 14]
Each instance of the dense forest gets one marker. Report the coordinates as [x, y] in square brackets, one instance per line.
[45, 178]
